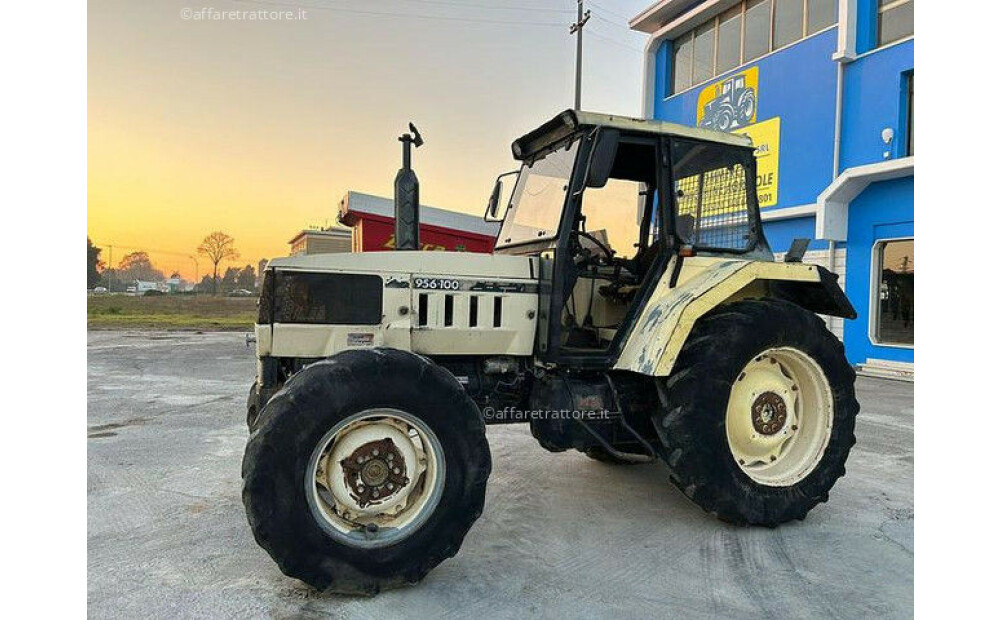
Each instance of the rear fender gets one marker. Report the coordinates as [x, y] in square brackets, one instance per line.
[666, 322]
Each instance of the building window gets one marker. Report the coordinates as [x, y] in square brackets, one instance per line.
[789, 21]
[757, 34]
[704, 52]
[683, 62]
[744, 33]
[895, 20]
[728, 53]
[820, 14]
[893, 324]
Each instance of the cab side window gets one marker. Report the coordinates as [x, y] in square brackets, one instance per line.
[712, 189]
[614, 212]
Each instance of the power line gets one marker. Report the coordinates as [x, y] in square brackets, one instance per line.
[406, 15]
[611, 12]
[617, 24]
[615, 42]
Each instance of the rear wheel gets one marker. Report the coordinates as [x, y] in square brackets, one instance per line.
[745, 107]
[366, 471]
[760, 413]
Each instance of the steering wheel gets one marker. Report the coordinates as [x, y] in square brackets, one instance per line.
[608, 252]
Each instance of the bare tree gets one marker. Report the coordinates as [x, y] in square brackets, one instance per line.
[218, 247]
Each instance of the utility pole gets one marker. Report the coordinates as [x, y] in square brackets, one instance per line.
[577, 29]
[111, 262]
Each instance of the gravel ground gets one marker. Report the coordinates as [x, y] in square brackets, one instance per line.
[561, 535]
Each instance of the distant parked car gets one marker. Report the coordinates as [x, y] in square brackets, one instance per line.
[100, 289]
[153, 293]
[242, 292]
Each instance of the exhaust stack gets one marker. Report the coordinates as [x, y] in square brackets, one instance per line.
[407, 196]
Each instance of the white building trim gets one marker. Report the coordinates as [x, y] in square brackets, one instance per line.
[666, 12]
[787, 213]
[847, 36]
[649, 74]
[832, 203]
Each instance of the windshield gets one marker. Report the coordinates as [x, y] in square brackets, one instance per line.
[537, 200]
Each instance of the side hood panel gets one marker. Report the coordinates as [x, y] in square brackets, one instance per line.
[433, 303]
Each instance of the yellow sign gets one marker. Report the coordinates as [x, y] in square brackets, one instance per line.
[766, 136]
[730, 103]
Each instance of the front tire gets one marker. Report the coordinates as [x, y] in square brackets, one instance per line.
[760, 413]
[366, 471]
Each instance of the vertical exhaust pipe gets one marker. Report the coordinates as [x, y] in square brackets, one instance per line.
[407, 196]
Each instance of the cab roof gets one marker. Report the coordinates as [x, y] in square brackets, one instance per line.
[570, 121]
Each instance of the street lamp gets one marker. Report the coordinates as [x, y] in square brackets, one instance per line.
[195, 268]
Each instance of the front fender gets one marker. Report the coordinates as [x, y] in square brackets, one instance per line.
[663, 326]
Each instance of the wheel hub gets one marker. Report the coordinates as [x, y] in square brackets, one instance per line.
[779, 418]
[375, 472]
[374, 476]
[768, 413]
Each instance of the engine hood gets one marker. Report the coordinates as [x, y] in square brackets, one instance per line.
[415, 262]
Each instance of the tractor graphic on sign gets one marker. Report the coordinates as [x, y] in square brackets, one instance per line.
[734, 105]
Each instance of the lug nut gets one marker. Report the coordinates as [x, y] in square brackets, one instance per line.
[773, 458]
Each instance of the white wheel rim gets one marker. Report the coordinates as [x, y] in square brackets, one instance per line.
[780, 417]
[375, 477]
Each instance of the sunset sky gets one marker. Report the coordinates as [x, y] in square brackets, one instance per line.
[258, 128]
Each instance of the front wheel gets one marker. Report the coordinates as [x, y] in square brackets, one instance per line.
[366, 470]
[760, 413]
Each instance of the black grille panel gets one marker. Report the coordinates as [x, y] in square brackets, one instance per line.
[327, 298]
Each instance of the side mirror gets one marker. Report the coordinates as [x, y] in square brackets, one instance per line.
[493, 205]
[493, 209]
[602, 158]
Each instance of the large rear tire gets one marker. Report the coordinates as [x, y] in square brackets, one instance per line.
[366, 471]
[760, 412]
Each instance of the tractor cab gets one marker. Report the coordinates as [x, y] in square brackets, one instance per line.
[611, 205]
[736, 83]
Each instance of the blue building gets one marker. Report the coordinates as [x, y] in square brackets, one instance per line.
[825, 89]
